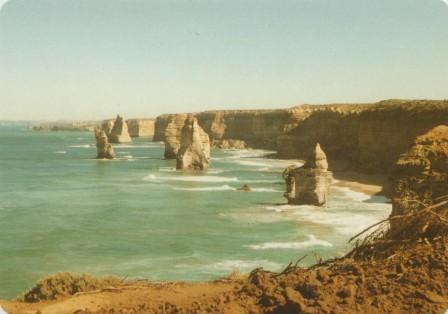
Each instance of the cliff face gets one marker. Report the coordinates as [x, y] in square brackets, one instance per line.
[364, 136]
[367, 137]
[141, 127]
[421, 180]
[257, 128]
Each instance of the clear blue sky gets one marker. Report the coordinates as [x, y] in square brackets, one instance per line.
[88, 59]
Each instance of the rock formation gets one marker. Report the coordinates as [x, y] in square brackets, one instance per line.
[309, 184]
[141, 127]
[229, 144]
[421, 176]
[193, 153]
[107, 126]
[103, 147]
[119, 132]
[245, 188]
[368, 137]
[173, 136]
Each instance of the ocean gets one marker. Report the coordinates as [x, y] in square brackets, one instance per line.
[136, 217]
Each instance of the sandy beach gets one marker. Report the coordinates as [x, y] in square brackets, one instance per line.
[370, 184]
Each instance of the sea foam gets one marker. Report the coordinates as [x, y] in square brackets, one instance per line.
[81, 146]
[311, 242]
[360, 196]
[269, 190]
[207, 189]
[153, 177]
[230, 265]
[345, 222]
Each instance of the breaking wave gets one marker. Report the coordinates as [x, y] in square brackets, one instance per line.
[207, 189]
[345, 222]
[265, 190]
[152, 177]
[81, 146]
[229, 265]
[360, 196]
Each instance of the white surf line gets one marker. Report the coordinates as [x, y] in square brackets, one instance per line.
[311, 242]
[152, 177]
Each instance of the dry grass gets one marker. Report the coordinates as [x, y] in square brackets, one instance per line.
[422, 223]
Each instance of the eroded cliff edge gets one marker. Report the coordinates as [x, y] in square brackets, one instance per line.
[368, 137]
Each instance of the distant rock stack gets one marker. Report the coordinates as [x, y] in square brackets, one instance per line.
[119, 132]
[173, 135]
[107, 126]
[103, 147]
[309, 184]
[193, 154]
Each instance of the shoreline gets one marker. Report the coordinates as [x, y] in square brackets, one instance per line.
[370, 184]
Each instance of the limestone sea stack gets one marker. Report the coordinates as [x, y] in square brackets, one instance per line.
[309, 184]
[194, 153]
[173, 135]
[119, 132]
[103, 147]
[107, 126]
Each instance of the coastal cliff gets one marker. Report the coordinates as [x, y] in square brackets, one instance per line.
[141, 127]
[421, 180]
[368, 137]
[257, 128]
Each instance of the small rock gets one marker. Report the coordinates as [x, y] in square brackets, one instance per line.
[245, 188]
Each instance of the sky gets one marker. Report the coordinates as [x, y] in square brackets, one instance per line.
[92, 59]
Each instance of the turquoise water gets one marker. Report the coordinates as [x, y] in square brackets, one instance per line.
[62, 210]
